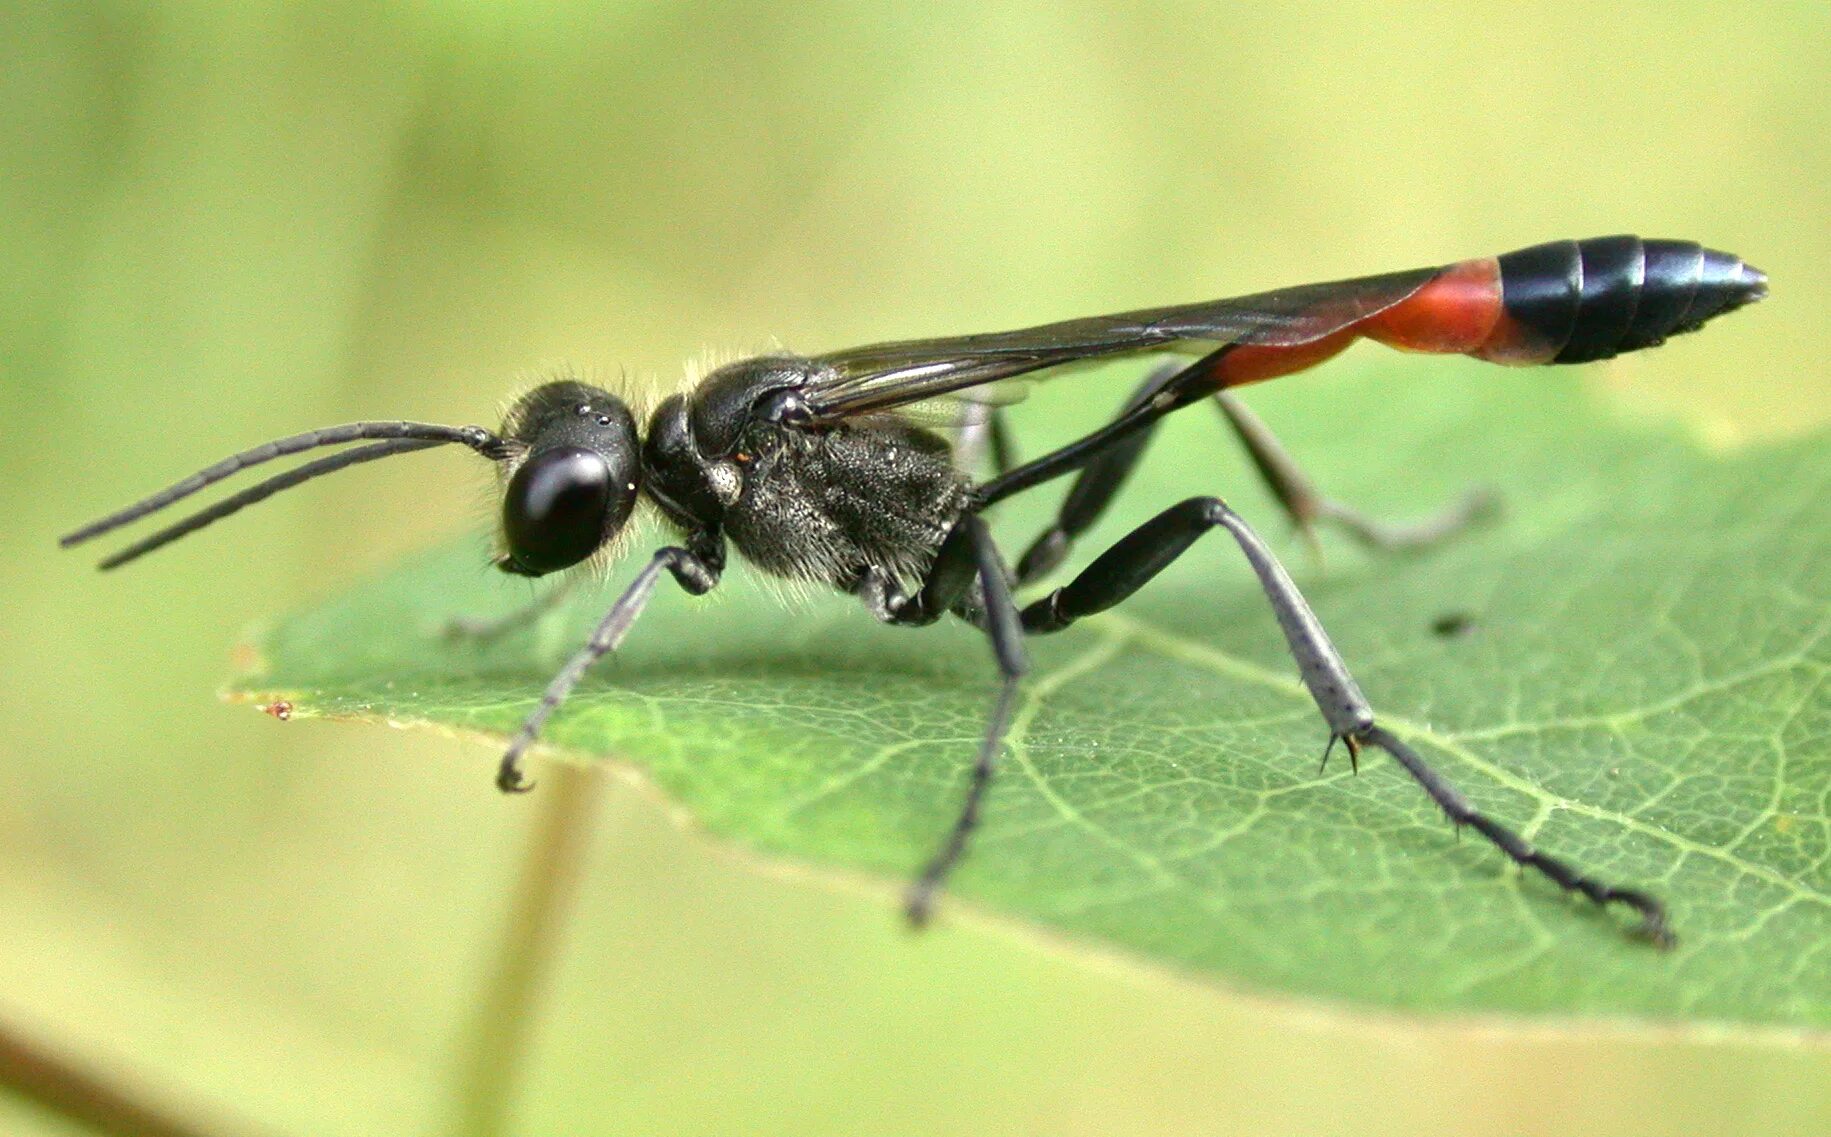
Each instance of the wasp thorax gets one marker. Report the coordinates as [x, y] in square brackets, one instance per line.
[739, 394]
[576, 482]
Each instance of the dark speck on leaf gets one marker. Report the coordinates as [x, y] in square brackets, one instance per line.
[1453, 625]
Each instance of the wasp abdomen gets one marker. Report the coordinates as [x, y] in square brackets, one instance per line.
[1577, 301]
[1562, 302]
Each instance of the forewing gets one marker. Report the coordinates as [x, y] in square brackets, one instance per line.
[886, 375]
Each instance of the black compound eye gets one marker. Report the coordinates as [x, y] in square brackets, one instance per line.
[558, 508]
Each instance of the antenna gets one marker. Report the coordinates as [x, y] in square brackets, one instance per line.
[395, 438]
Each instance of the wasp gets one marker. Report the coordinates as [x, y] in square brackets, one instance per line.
[830, 470]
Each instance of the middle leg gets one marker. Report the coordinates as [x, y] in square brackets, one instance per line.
[966, 557]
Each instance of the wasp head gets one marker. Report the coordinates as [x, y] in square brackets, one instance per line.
[571, 487]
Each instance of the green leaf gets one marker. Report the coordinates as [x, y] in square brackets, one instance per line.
[1641, 689]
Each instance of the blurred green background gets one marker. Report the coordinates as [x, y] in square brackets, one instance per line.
[225, 222]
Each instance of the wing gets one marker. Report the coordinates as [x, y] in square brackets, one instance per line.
[882, 376]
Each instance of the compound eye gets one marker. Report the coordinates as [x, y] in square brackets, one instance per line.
[558, 508]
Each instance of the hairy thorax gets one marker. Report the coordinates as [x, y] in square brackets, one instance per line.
[876, 492]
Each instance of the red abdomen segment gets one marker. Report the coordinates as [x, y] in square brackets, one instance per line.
[1563, 302]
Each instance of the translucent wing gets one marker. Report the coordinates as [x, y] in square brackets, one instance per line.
[882, 376]
[965, 408]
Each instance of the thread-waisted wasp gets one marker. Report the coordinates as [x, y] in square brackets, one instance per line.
[827, 469]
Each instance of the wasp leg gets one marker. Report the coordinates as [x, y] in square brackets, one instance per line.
[995, 611]
[967, 557]
[1103, 475]
[484, 629]
[1099, 481]
[696, 570]
[945, 587]
[1306, 505]
[1147, 550]
[1003, 446]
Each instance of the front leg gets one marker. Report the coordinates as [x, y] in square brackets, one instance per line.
[696, 569]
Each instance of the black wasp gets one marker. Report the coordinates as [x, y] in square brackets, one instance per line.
[822, 469]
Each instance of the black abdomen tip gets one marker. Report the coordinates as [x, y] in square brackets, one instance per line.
[1594, 299]
[1725, 283]
[1686, 285]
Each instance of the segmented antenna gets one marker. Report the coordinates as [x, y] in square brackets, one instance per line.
[261, 491]
[395, 438]
[482, 441]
